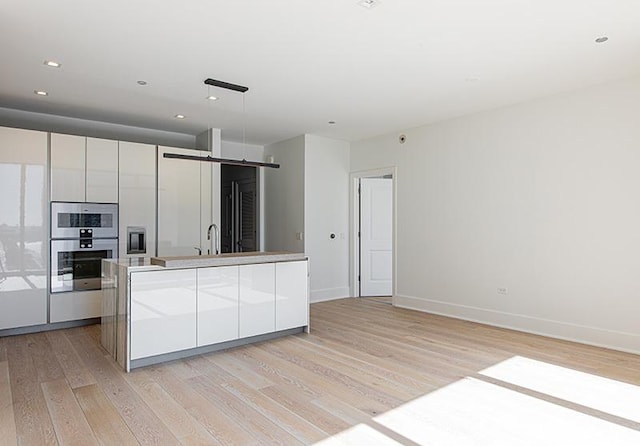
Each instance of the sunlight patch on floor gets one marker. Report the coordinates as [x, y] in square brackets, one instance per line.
[603, 394]
[359, 435]
[473, 412]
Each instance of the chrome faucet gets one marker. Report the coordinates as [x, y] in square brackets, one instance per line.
[216, 237]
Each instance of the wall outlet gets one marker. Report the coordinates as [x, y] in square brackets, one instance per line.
[502, 290]
[298, 235]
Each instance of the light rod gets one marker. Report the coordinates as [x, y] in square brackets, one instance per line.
[211, 159]
[226, 85]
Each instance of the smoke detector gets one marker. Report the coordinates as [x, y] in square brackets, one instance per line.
[368, 4]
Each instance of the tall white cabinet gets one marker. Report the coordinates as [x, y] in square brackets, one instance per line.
[84, 169]
[137, 195]
[23, 228]
[184, 203]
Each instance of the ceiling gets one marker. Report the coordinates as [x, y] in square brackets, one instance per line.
[400, 64]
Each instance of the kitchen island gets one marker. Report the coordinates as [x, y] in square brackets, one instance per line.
[160, 309]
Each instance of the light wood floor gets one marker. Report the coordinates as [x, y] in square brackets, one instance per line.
[362, 359]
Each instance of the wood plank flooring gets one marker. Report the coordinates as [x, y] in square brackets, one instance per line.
[362, 359]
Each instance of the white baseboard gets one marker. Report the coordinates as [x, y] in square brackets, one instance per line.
[622, 341]
[329, 294]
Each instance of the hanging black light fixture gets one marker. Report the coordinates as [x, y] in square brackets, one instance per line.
[211, 159]
[243, 162]
[227, 85]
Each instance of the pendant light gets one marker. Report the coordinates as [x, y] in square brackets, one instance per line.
[243, 162]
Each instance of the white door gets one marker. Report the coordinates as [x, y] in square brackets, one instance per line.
[376, 227]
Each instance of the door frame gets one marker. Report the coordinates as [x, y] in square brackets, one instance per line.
[354, 226]
[259, 205]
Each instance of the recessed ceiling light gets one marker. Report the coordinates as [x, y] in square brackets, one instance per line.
[212, 98]
[141, 82]
[332, 122]
[602, 39]
[41, 92]
[368, 4]
[179, 116]
[52, 63]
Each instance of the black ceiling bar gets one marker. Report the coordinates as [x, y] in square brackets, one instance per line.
[211, 159]
[226, 85]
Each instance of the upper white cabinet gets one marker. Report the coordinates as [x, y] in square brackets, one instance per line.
[163, 312]
[217, 304]
[257, 299]
[84, 169]
[68, 160]
[102, 170]
[184, 203]
[23, 228]
[137, 195]
[292, 302]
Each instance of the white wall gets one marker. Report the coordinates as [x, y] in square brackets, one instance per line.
[238, 151]
[284, 196]
[327, 211]
[542, 198]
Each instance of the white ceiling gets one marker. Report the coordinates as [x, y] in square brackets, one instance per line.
[401, 64]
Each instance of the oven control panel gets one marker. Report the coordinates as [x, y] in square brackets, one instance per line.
[86, 238]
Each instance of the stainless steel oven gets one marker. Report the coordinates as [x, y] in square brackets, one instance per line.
[75, 220]
[82, 234]
[77, 265]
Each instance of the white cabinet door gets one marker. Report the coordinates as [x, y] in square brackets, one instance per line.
[102, 170]
[292, 303]
[163, 312]
[68, 167]
[257, 299]
[217, 304]
[137, 193]
[75, 305]
[23, 228]
[178, 204]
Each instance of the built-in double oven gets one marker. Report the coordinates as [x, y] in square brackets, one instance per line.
[82, 234]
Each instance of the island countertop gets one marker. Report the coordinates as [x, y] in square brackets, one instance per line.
[232, 258]
[227, 259]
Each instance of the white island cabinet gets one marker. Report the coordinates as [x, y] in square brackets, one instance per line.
[292, 297]
[163, 312]
[185, 306]
[217, 304]
[257, 299]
